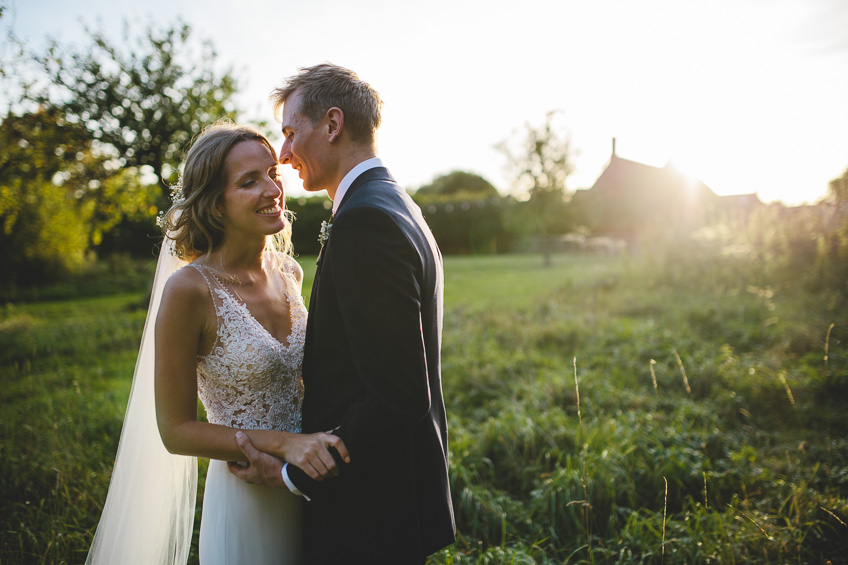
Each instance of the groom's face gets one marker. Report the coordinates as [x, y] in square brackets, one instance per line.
[304, 146]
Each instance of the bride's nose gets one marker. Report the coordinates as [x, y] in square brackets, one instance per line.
[274, 188]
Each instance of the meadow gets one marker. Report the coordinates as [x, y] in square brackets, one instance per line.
[601, 410]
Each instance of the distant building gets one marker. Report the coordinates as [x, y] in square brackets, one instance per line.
[636, 202]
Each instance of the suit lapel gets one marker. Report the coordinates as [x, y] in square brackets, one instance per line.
[377, 173]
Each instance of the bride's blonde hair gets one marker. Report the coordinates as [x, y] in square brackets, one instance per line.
[194, 222]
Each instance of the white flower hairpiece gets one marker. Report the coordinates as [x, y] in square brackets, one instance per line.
[177, 196]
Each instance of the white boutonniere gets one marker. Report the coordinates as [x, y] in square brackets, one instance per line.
[324, 235]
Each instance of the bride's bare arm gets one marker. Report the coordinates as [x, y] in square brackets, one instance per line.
[185, 317]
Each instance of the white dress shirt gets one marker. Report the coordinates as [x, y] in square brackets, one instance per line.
[351, 176]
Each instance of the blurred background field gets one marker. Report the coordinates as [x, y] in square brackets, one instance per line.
[602, 410]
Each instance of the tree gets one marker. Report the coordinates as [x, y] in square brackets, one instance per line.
[459, 183]
[83, 131]
[540, 166]
[42, 225]
[464, 211]
[143, 102]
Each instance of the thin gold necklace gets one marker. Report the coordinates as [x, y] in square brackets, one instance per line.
[234, 281]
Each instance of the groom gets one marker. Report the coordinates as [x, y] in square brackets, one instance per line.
[371, 365]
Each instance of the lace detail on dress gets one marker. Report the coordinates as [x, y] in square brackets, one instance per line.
[250, 380]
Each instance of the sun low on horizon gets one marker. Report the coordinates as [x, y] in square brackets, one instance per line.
[731, 176]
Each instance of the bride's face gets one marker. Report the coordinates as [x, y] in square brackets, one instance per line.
[253, 196]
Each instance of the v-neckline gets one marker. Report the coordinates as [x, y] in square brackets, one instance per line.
[287, 344]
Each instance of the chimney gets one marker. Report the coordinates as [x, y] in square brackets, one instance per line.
[613, 147]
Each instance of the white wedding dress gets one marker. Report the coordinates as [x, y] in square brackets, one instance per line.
[251, 381]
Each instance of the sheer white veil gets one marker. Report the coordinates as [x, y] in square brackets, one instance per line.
[149, 512]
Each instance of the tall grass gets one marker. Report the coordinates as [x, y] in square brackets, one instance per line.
[702, 427]
[66, 374]
[573, 436]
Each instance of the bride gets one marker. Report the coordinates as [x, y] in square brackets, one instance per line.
[229, 328]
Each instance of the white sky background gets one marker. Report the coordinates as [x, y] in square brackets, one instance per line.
[746, 95]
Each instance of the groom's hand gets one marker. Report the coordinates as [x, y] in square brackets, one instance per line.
[263, 469]
[318, 455]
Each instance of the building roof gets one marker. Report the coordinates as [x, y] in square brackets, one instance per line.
[631, 198]
[623, 176]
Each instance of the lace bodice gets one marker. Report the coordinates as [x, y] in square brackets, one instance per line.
[250, 380]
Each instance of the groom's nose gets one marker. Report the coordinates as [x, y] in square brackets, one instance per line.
[285, 155]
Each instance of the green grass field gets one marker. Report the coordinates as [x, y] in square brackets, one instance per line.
[603, 410]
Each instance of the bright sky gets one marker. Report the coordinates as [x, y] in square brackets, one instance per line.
[746, 95]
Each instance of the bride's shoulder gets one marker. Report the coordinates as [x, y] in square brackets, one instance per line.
[186, 304]
[294, 268]
[186, 307]
[187, 283]
[291, 267]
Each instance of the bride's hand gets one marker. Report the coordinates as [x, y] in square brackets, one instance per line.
[311, 453]
[261, 468]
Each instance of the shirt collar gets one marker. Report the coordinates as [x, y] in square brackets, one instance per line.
[348, 179]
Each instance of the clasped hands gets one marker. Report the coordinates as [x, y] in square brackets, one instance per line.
[310, 452]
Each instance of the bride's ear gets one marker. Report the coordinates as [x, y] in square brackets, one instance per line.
[335, 123]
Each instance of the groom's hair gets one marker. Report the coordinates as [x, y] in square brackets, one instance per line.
[326, 86]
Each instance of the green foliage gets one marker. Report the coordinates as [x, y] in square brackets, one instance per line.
[48, 239]
[777, 245]
[44, 228]
[580, 471]
[465, 212]
[144, 100]
[83, 136]
[309, 212]
[117, 273]
[463, 223]
[57, 197]
[121, 198]
[458, 183]
[61, 419]
[66, 369]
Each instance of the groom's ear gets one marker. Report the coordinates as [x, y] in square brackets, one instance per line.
[335, 123]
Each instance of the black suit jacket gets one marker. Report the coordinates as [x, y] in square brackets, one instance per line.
[371, 372]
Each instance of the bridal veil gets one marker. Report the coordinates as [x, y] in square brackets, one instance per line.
[149, 511]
